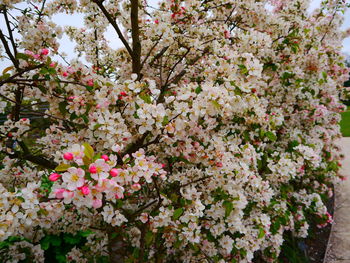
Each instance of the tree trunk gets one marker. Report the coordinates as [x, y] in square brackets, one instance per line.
[116, 248]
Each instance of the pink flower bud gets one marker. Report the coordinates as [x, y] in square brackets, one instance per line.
[52, 64]
[114, 172]
[29, 53]
[64, 74]
[219, 164]
[123, 93]
[136, 187]
[97, 203]
[156, 21]
[68, 156]
[90, 82]
[93, 169]
[227, 34]
[44, 51]
[105, 157]
[85, 190]
[119, 196]
[54, 177]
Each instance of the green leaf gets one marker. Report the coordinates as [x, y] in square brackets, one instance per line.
[96, 126]
[86, 233]
[88, 150]
[73, 116]
[146, 98]
[62, 107]
[198, 90]
[45, 243]
[165, 120]
[148, 238]
[5, 76]
[136, 252]
[55, 241]
[215, 104]
[89, 88]
[70, 239]
[22, 56]
[177, 213]
[228, 207]
[261, 233]
[85, 118]
[43, 90]
[243, 69]
[61, 258]
[62, 167]
[271, 136]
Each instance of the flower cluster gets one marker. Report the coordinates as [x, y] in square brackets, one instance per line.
[206, 138]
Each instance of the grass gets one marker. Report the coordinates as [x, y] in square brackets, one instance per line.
[345, 123]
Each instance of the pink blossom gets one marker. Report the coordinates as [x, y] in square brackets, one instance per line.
[227, 34]
[59, 193]
[97, 203]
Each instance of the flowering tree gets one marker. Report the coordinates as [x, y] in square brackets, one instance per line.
[203, 139]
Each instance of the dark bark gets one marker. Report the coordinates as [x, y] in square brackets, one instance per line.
[116, 249]
[135, 33]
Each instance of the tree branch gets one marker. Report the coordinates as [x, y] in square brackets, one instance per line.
[135, 33]
[37, 159]
[10, 32]
[19, 73]
[114, 24]
[8, 51]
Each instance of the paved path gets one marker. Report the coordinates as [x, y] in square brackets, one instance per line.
[338, 250]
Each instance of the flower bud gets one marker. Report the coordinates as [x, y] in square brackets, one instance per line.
[93, 169]
[114, 172]
[136, 187]
[44, 52]
[85, 190]
[105, 157]
[54, 177]
[68, 156]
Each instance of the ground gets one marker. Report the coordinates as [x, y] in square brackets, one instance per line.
[339, 242]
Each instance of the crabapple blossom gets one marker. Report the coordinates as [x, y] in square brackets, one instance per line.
[207, 137]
